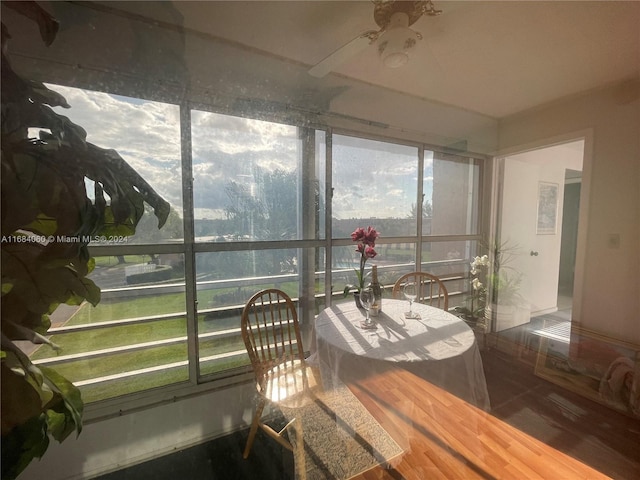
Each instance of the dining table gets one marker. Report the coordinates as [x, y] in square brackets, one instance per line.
[436, 346]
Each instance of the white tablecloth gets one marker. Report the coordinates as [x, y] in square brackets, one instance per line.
[438, 346]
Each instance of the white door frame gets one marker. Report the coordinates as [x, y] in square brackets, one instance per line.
[581, 253]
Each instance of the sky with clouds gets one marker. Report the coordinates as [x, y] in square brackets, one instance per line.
[367, 175]
[145, 134]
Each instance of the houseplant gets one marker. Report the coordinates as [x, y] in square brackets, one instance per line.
[474, 310]
[366, 239]
[495, 285]
[503, 280]
[47, 222]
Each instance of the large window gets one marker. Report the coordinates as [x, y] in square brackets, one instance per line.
[451, 188]
[253, 181]
[382, 184]
[374, 182]
[258, 191]
[254, 217]
[135, 339]
[147, 135]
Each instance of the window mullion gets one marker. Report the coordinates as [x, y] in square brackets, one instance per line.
[306, 222]
[328, 280]
[419, 207]
[189, 236]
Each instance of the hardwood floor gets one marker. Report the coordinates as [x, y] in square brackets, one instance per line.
[535, 430]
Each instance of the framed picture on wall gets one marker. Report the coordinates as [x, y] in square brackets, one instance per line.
[547, 208]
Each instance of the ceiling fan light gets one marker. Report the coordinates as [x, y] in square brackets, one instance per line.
[395, 59]
[396, 42]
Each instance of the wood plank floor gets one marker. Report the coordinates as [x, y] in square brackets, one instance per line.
[535, 430]
[444, 437]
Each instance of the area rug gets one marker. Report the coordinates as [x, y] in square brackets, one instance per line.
[341, 438]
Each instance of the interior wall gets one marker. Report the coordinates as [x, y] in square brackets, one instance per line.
[112, 444]
[608, 287]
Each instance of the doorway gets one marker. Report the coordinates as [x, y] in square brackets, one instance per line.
[569, 240]
[540, 226]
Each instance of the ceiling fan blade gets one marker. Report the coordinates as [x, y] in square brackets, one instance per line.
[345, 52]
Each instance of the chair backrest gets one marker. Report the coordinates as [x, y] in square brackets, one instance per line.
[431, 289]
[270, 331]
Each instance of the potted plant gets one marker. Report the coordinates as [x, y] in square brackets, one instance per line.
[44, 203]
[494, 289]
[474, 310]
[366, 239]
[503, 280]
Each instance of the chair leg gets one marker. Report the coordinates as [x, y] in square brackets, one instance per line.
[254, 428]
[299, 458]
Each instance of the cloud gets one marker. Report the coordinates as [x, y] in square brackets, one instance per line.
[146, 134]
[214, 132]
[371, 178]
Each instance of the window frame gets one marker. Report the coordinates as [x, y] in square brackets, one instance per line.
[189, 248]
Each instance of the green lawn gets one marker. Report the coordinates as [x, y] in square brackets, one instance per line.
[77, 342]
[150, 357]
[129, 308]
[144, 306]
[112, 261]
[111, 389]
[101, 391]
[149, 306]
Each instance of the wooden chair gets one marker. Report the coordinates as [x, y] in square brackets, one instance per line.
[431, 289]
[271, 333]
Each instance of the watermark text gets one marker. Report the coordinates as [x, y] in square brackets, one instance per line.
[46, 240]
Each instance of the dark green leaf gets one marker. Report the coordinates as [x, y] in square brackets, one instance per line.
[20, 400]
[58, 425]
[70, 394]
[43, 225]
[22, 444]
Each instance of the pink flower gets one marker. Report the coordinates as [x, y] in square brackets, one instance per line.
[370, 236]
[367, 236]
[366, 251]
[369, 252]
[366, 239]
[358, 234]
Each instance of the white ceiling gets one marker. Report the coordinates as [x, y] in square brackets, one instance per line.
[494, 58]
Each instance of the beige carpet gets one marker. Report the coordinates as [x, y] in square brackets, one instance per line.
[341, 437]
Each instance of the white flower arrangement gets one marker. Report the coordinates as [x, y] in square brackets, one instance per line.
[500, 286]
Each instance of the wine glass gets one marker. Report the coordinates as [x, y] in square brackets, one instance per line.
[410, 292]
[367, 299]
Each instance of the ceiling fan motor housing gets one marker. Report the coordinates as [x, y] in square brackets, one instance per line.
[397, 41]
[384, 10]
